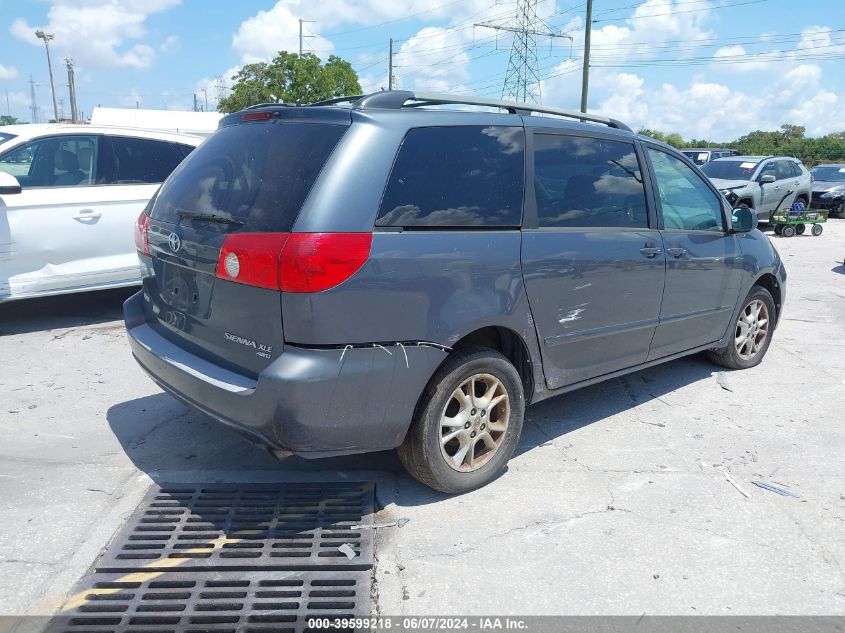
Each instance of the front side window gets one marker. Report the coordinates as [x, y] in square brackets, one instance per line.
[587, 182]
[686, 202]
[57, 161]
[143, 161]
[769, 169]
[452, 177]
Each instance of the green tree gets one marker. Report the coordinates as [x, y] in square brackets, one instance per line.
[5, 119]
[291, 78]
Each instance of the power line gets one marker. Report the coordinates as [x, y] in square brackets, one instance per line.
[522, 81]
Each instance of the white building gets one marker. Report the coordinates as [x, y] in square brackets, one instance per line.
[198, 123]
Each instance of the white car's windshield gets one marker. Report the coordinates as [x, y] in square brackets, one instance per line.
[730, 169]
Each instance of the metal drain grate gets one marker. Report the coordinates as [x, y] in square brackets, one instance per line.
[297, 526]
[214, 602]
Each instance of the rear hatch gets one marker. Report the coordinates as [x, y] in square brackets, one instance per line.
[245, 184]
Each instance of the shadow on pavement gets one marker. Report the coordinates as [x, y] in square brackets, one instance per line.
[62, 311]
[161, 436]
[164, 438]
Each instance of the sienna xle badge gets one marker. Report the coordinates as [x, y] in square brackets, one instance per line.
[334, 279]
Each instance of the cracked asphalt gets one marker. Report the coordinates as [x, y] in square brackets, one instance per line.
[617, 501]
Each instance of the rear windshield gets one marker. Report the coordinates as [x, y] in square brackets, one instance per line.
[255, 173]
[5, 137]
[730, 169]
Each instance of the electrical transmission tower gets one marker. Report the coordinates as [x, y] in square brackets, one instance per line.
[522, 80]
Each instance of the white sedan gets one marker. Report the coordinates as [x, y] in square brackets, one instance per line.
[69, 199]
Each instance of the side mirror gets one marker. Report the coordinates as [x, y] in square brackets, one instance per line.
[743, 220]
[767, 178]
[8, 184]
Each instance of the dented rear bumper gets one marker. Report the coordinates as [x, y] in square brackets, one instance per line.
[312, 402]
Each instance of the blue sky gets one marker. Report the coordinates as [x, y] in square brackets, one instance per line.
[706, 68]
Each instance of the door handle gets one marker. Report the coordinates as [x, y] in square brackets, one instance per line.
[87, 214]
[651, 251]
[676, 252]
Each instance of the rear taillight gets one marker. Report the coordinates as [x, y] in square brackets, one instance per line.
[293, 262]
[252, 258]
[142, 236]
[312, 262]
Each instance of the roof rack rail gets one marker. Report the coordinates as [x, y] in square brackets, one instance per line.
[396, 99]
[334, 100]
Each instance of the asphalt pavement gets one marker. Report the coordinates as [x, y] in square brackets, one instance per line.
[633, 496]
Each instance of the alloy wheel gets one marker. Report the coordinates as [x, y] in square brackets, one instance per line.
[752, 328]
[474, 422]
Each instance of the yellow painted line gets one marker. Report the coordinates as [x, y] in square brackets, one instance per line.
[162, 567]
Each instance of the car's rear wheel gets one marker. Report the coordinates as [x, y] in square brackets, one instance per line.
[467, 423]
[752, 333]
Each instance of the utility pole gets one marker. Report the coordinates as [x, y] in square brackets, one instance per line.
[41, 35]
[32, 105]
[195, 102]
[301, 35]
[205, 92]
[522, 81]
[71, 86]
[585, 77]
[390, 67]
[8, 107]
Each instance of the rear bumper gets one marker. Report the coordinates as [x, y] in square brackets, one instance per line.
[312, 402]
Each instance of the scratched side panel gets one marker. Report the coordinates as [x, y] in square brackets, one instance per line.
[595, 298]
[418, 286]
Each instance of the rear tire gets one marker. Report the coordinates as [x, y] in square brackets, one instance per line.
[800, 228]
[788, 230]
[752, 332]
[817, 230]
[475, 402]
[778, 229]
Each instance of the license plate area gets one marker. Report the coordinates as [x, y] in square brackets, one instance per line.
[186, 291]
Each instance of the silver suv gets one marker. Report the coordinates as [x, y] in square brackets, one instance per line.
[761, 182]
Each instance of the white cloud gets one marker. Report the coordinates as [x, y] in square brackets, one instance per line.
[97, 33]
[211, 89]
[169, 44]
[260, 37]
[8, 72]
[434, 59]
[820, 114]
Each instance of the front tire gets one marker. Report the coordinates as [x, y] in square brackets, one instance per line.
[467, 424]
[752, 334]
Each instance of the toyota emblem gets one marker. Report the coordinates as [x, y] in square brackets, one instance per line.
[175, 242]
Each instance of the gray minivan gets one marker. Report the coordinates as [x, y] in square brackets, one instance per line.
[334, 279]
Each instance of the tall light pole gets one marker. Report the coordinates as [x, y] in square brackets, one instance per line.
[585, 73]
[41, 35]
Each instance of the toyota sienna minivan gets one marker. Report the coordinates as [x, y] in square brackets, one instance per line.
[375, 273]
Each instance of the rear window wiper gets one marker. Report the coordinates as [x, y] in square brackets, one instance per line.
[209, 217]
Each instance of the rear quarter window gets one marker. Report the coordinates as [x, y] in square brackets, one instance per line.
[458, 176]
[255, 173]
